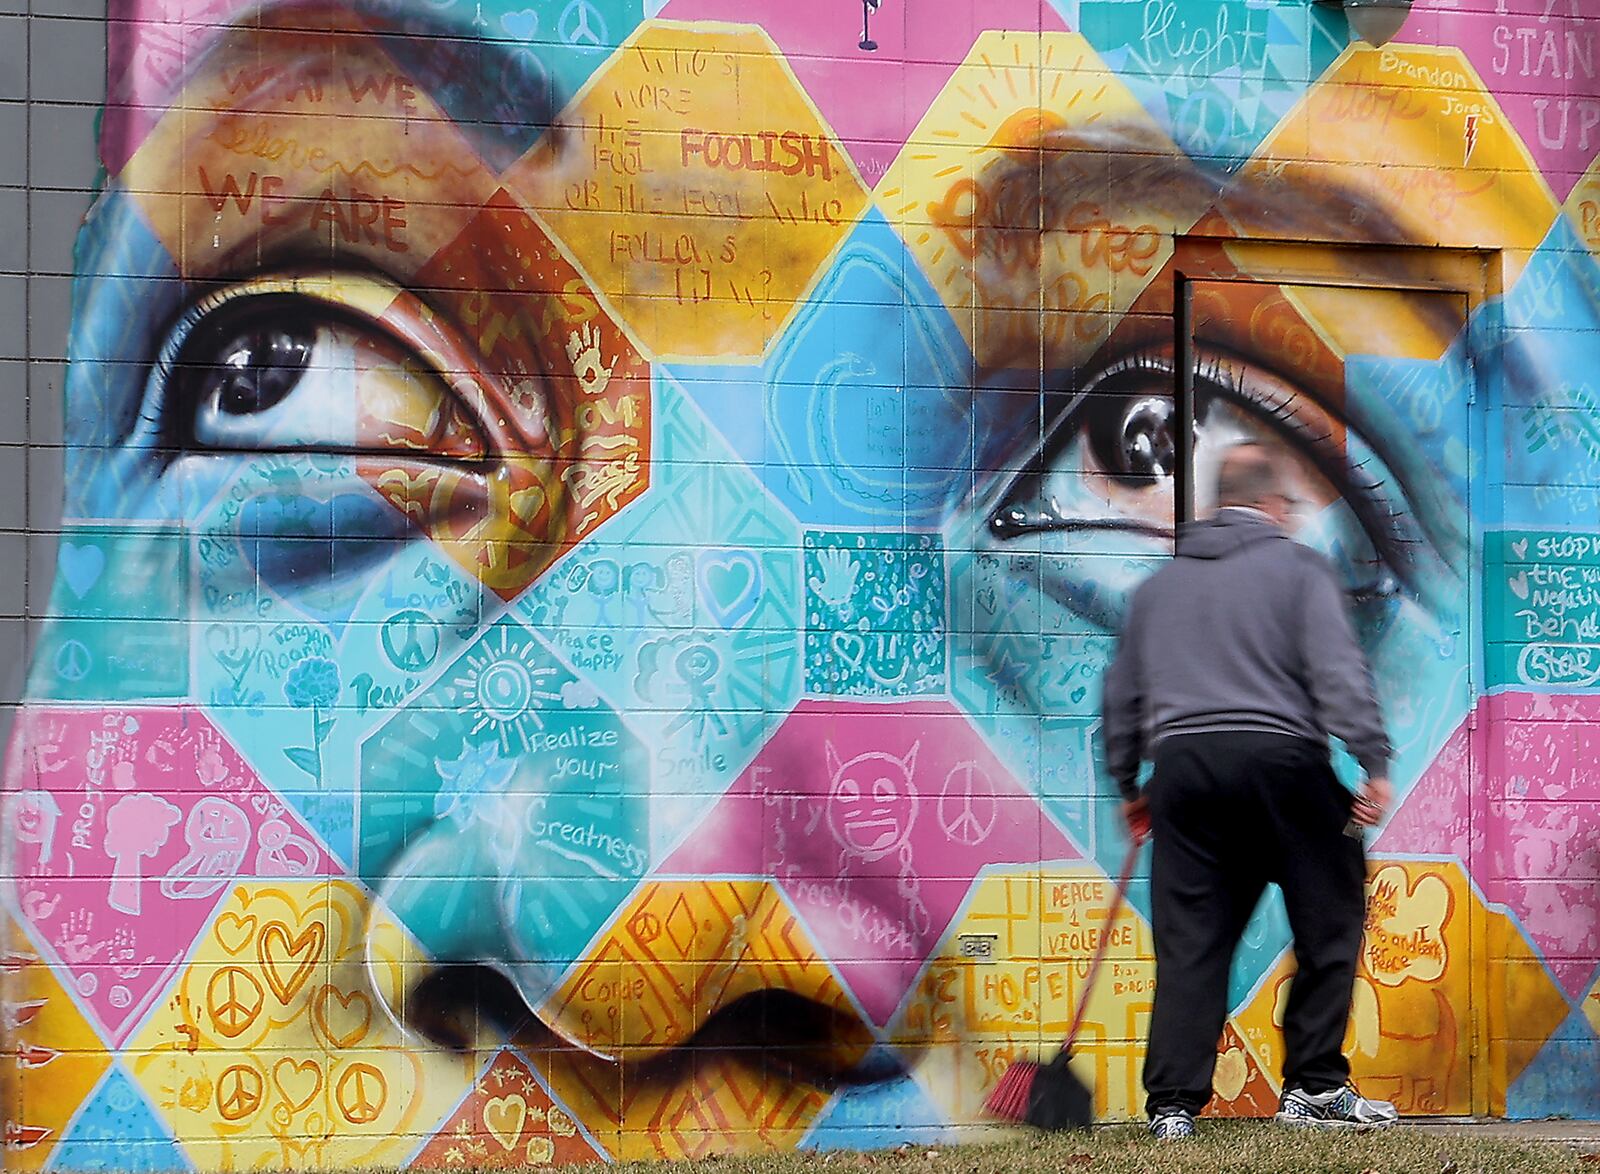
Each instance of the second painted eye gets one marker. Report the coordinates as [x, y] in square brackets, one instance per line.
[1109, 464]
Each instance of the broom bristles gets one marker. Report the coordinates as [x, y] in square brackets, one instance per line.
[1009, 1100]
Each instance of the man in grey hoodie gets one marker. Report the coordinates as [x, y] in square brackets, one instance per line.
[1235, 663]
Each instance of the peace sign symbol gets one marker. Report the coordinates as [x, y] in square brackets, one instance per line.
[73, 660]
[362, 1093]
[410, 640]
[575, 27]
[1195, 120]
[233, 1000]
[645, 926]
[967, 807]
[239, 1092]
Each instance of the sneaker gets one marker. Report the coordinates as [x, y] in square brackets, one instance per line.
[1338, 1108]
[1172, 1125]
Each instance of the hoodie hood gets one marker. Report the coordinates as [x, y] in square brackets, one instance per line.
[1229, 530]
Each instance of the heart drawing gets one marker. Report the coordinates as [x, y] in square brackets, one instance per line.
[730, 585]
[81, 567]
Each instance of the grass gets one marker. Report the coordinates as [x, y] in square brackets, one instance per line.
[1240, 1148]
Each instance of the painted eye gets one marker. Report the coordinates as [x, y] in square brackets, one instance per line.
[289, 364]
[1108, 464]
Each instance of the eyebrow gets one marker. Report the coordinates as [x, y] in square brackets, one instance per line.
[1128, 167]
[1137, 159]
[493, 93]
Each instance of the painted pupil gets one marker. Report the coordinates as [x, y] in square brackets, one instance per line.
[1147, 445]
[1135, 442]
[257, 367]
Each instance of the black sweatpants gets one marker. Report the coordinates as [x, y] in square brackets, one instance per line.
[1230, 814]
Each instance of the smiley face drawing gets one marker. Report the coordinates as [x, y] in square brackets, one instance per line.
[872, 803]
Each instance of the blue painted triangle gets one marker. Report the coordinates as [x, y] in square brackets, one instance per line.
[116, 1129]
[876, 1116]
[1227, 83]
[1280, 31]
[1563, 1080]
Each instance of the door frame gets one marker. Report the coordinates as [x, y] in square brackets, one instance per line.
[1479, 277]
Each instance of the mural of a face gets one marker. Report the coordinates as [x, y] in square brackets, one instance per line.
[600, 502]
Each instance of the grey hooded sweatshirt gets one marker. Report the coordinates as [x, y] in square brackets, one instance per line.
[1244, 630]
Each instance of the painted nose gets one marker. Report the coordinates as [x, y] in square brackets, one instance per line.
[520, 883]
[621, 966]
[441, 888]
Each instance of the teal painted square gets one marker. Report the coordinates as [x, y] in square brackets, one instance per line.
[112, 572]
[112, 660]
[876, 623]
[121, 606]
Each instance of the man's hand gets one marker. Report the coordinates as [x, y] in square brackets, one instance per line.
[1136, 814]
[1372, 801]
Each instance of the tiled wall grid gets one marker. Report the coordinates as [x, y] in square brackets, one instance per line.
[594, 530]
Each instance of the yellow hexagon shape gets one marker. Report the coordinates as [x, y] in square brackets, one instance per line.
[273, 1049]
[696, 186]
[1420, 149]
[1039, 197]
[1005, 982]
[1418, 987]
[1583, 208]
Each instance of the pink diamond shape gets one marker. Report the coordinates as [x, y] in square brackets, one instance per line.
[1541, 855]
[129, 825]
[875, 819]
[1434, 818]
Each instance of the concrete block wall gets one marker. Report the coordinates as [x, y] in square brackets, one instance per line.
[560, 556]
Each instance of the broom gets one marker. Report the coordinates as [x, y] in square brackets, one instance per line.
[1050, 1096]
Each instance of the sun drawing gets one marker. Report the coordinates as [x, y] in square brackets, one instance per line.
[1010, 95]
[504, 689]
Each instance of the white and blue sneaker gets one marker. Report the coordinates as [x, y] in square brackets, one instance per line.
[1338, 1108]
[1172, 1125]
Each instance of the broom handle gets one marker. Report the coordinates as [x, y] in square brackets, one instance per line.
[1105, 943]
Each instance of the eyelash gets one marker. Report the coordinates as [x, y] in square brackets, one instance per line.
[361, 301]
[1368, 496]
[1264, 396]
